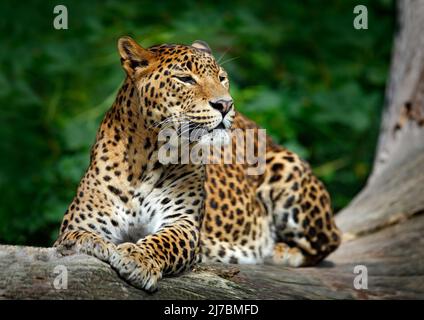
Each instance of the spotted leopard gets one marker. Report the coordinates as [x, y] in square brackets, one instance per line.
[148, 219]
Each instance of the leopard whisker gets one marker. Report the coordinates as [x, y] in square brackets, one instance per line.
[229, 60]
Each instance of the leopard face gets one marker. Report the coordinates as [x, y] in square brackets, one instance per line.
[183, 87]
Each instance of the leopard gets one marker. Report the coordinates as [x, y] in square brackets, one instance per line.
[148, 219]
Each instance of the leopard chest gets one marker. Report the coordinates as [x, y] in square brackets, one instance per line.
[139, 217]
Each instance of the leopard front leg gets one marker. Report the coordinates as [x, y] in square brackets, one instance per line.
[173, 246]
[170, 251]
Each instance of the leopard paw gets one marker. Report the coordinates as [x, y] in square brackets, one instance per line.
[133, 264]
[94, 247]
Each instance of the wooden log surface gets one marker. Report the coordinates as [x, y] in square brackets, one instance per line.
[393, 256]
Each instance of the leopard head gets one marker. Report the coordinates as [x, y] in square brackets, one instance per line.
[181, 86]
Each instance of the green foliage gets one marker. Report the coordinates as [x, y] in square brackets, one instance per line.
[299, 68]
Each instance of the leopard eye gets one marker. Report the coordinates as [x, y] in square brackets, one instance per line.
[222, 78]
[186, 79]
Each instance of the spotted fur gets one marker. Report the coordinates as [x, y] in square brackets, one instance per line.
[147, 219]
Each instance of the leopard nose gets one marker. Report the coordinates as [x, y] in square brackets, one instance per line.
[222, 105]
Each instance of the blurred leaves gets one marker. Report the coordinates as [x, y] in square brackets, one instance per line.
[299, 69]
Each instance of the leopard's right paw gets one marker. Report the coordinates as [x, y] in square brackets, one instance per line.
[94, 247]
[136, 267]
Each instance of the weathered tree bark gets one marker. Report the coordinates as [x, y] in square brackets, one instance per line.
[395, 189]
[383, 225]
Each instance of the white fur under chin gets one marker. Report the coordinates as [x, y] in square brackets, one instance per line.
[218, 137]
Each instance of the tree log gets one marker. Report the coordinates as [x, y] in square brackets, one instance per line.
[393, 256]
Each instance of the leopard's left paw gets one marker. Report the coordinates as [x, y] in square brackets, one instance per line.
[136, 267]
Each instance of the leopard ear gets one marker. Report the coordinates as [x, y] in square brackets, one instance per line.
[134, 58]
[202, 45]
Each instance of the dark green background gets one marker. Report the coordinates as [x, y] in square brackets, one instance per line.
[299, 68]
